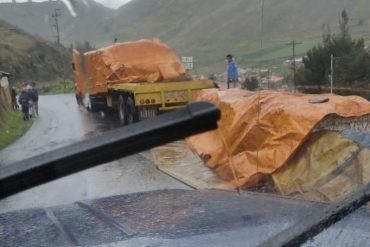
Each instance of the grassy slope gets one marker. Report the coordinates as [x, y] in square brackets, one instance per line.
[209, 29]
[205, 29]
[12, 128]
[28, 57]
[59, 86]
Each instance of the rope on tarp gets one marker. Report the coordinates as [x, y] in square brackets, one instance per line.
[230, 162]
[259, 92]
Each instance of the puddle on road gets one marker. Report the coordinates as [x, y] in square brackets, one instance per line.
[176, 160]
[95, 123]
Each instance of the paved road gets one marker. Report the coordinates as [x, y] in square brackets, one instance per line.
[61, 123]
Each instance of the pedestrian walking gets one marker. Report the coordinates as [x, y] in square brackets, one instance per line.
[15, 105]
[30, 102]
[24, 100]
[35, 98]
[232, 72]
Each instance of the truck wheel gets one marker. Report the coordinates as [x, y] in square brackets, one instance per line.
[78, 99]
[130, 111]
[91, 106]
[121, 110]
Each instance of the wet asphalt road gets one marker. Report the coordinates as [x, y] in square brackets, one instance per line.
[62, 122]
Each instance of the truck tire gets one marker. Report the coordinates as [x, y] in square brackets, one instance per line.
[78, 99]
[91, 106]
[130, 111]
[122, 110]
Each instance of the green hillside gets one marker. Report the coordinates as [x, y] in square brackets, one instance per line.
[209, 29]
[28, 57]
[205, 29]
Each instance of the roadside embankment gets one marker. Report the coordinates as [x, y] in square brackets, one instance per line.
[12, 127]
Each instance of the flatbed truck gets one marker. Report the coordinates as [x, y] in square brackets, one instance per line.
[137, 79]
[138, 101]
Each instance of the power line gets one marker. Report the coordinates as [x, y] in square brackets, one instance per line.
[262, 21]
[260, 80]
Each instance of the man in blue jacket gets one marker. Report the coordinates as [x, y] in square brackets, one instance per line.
[232, 72]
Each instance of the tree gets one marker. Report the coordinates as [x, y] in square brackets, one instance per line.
[351, 59]
[251, 84]
[343, 26]
[84, 47]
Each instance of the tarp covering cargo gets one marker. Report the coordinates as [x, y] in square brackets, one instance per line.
[259, 132]
[329, 166]
[131, 62]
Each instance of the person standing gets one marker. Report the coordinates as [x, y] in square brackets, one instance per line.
[35, 98]
[24, 99]
[30, 100]
[232, 72]
[15, 105]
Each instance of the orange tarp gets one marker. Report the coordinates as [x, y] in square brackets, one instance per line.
[259, 132]
[328, 167]
[130, 62]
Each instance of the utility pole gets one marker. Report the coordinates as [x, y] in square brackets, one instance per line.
[293, 44]
[331, 72]
[262, 22]
[261, 41]
[55, 17]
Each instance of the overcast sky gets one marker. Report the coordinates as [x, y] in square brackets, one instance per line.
[108, 3]
[113, 3]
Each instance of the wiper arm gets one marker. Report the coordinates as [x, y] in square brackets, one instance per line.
[194, 119]
[311, 225]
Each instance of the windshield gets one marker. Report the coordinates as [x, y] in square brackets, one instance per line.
[97, 95]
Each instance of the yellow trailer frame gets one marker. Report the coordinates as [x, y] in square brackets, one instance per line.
[165, 95]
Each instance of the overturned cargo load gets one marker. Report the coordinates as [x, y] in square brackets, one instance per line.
[130, 62]
[328, 166]
[301, 142]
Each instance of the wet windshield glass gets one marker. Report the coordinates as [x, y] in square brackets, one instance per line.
[291, 81]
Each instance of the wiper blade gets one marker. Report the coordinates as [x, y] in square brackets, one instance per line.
[194, 119]
[311, 225]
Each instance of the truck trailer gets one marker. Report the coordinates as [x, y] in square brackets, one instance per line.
[137, 79]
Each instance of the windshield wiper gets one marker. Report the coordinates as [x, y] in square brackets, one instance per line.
[194, 119]
[313, 224]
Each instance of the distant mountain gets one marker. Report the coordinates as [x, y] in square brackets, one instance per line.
[35, 18]
[30, 58]
[205, 29]
[209, 29]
